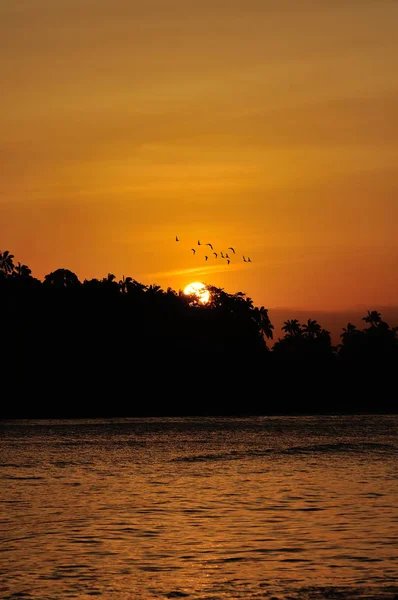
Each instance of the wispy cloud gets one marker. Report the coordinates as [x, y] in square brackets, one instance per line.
[194, 270]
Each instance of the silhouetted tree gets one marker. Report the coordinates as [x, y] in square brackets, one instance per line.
[124, 283]
[61, 278]
[6, 263]
[380, 340]
[135, 288]
[373, 318]
[78, 340]
[309, 342]
[292, 327]
[22, 271]
[374, 344]
[154, 290]
[349, 332]
[311, 329]
[262, 320]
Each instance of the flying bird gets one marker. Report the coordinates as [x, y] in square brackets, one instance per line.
[206, 257]
[177, 240]
[199, 244]
[215, 254]
[249, 259]
[244, 260]
[210, 246]
[226, 256]
[193, 250]
[222, 255]
[230, 248]
[228, 261]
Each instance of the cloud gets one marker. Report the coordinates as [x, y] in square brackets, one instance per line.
[194, 271]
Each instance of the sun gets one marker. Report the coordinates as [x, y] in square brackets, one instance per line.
[199, 290]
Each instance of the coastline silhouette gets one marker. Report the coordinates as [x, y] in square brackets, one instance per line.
[66, 343]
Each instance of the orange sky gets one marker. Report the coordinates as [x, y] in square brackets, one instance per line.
[268, 125]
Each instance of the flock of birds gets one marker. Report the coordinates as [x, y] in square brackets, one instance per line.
[223, 255]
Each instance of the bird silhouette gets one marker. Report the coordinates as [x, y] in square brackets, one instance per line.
[193, 250]
[244, 260]
[177, 240]
[206, 257]
[199, 244]
[230, 248]
[222, 255]
[210, 246]
[249, 259]
[215, 254]
[228, 261]
[226, 256]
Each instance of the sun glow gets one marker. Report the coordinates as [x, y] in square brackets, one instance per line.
[199, 290]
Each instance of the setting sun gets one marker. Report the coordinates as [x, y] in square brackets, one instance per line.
[199, 290]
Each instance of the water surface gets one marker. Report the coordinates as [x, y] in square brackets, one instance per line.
[199, 508]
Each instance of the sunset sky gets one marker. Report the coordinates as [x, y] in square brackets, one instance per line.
[266, 125]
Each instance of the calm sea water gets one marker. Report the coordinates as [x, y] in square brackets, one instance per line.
[200, 508]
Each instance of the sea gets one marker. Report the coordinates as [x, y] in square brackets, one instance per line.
[202, 508]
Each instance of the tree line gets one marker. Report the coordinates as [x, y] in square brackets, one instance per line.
[103, 345]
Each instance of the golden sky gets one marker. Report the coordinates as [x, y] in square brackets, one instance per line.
[266, 125]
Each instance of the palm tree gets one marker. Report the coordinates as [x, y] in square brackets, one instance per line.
[311, 329]
[348, 332]
[263, 321]
[373, 318]
[6, 262]
[292, 328]
[23, 271]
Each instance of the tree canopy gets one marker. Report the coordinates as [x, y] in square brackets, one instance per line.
[141, 344]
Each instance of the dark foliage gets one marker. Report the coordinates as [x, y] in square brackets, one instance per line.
[121, 348]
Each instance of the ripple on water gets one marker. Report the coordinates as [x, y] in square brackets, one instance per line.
[211, 509]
